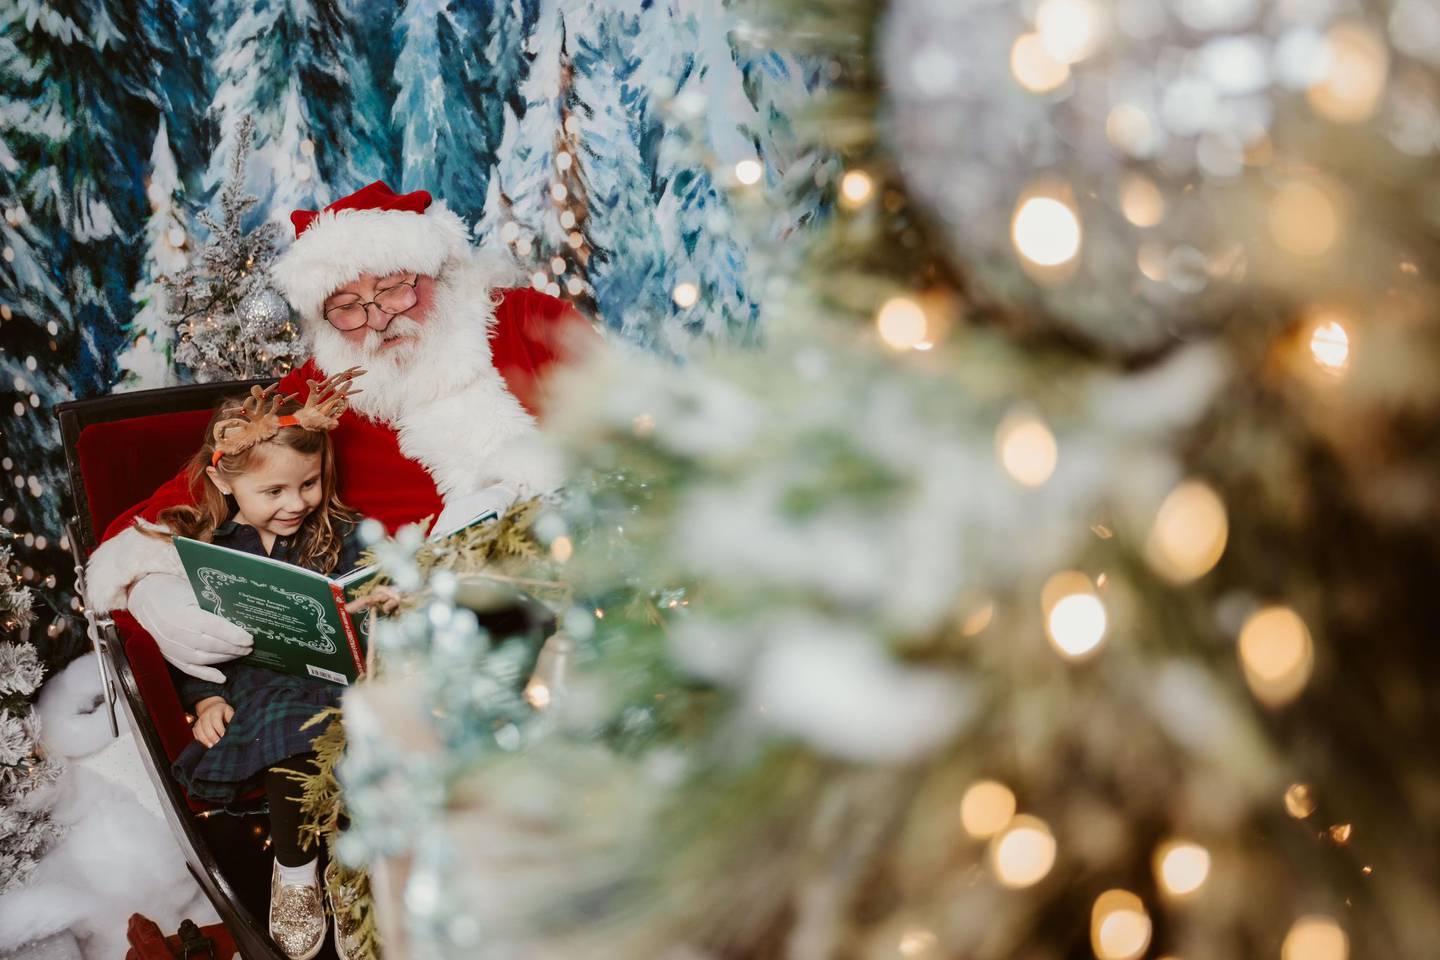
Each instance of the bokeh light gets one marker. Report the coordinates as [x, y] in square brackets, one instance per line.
[1181, 867]
[1069, 29]
[1356, 64]
[1315, 937]
[1303, 218]
[1023, 853]
[1329, 343]
[986, 808]
[1189, 533]
[749, 172]
[901, 322]
[856, 188]
[1141, 201]
[1046, 231]
[1300, 800]
[1033, 67]
[1277, 655]
[1119, 926]
[685, 295]
[1027, 449]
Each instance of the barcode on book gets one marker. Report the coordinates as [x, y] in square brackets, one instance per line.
[324, 674]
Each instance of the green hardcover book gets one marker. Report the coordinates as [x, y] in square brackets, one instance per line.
[296, 616]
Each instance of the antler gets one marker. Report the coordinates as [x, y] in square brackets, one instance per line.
[252, 422]
[328, 399]
[258, 416]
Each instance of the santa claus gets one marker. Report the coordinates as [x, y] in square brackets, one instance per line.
[445, 423]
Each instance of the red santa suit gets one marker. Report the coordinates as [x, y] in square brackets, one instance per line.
[448, 415]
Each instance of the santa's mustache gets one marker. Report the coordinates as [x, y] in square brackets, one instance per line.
[399, 326]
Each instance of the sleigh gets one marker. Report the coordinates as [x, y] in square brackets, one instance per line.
[119, 449]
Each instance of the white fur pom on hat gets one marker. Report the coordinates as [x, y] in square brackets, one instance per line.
[374, 230]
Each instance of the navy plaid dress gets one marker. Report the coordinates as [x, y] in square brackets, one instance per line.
[269, 706]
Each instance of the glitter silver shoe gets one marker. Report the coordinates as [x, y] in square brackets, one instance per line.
[342, 908]
[297, 917]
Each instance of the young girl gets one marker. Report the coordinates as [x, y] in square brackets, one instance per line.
[266, 484]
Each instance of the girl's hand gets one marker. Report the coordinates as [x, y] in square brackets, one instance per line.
[383, 598]
[211, 717]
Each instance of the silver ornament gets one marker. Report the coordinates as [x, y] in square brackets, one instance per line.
[262, 312]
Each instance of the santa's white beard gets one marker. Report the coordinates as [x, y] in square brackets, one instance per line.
[444, 352]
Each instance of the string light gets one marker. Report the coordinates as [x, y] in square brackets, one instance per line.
[1141, 201]
[1181, 867]
[1069, 29]
[1033, 66]
[1329, 343]
[1300, 800]
[1356, 64]
[562, 549]
[1277, 655]
[1119, 926]
[901, 322]
[749, 172]
[977, 620]
[510, 230]
[537, 694]
[1027, 449]
[986, 808]
[1315, 937]
[557, 265]
[1189, 533]
[1076, 625]
[1046, 231]
[685, 295]
[1303, 219]
[914, 943]
[1023, 854]
[559, 192]
[856, 189]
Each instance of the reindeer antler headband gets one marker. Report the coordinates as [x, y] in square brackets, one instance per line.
[256, 419]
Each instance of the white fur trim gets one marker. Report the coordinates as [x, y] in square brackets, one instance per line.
[122, 560]
[340, 245]
[477, 436]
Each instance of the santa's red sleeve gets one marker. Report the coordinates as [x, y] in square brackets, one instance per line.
[532, 331]
[125, 554]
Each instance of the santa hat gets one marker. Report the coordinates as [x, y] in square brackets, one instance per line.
[374, 230]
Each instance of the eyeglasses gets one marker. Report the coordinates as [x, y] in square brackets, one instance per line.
[389, 300]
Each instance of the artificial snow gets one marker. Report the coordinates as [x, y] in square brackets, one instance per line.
[117, 856]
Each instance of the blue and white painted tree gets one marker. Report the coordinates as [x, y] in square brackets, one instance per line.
[614, 87]
[292, 65]
[147, 361]
[444, 137]
[538, 202]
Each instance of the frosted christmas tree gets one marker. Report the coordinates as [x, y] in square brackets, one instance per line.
[1053, 581]
[230, 322]
[26, 829]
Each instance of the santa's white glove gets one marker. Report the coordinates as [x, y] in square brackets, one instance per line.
[460, 510]
[188, 637]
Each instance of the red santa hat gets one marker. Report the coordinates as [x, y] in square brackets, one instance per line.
[374, 230]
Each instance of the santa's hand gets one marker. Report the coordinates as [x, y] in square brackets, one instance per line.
[187, 636]
[460, 510]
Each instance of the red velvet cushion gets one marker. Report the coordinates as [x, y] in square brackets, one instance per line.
[123, 461]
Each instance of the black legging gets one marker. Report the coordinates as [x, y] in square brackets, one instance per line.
[284, 796]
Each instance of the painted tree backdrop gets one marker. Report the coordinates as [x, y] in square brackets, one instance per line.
[584, 136]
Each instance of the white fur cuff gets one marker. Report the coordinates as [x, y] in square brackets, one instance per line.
[119, 562]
